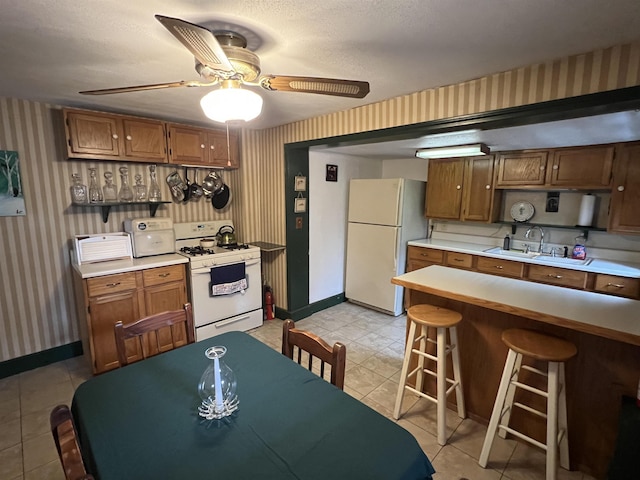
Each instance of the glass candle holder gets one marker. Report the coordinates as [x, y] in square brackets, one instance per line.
[217, 387]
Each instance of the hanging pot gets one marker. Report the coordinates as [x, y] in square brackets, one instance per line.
[187, 186]
[221, 199]
[176, 185]
[196, 190]
[226, 236]
[211, 184]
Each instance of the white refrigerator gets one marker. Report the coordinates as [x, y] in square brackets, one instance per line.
[384, 214]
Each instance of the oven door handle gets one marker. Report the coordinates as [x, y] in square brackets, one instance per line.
[200, 271]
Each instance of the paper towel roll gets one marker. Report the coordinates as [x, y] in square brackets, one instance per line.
[587, 206]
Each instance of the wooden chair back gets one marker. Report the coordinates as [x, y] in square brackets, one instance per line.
[155, 334]
[315, 347]
[66, 439]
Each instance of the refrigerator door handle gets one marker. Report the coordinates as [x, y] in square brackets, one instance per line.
[395, 255]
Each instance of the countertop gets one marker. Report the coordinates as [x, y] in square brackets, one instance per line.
[597, 265]
[603, 315]
[89, 270]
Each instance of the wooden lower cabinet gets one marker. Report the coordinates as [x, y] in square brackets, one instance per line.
[127, 297]
[421, 257]
[563, 277]
[496, 266]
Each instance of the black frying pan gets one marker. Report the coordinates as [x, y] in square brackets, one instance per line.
[221, 198]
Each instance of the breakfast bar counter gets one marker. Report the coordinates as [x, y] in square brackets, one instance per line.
[605, 329]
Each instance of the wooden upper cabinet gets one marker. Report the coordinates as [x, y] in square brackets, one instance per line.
[187, 145]
[521, 169]
[585, 167]
[444, 188]
[478, 202]
[198, 146]
[223, 154]
[105, 136]
[91, 135]
[625, 191]
[145, 140]
[461, 189]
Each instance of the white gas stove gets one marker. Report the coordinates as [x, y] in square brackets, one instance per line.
[225, 283]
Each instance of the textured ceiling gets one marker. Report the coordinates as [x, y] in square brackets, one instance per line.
[51, 50]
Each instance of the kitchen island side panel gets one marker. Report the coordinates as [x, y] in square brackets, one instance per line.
[602, 372]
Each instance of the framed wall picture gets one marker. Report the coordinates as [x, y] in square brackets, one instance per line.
[300, 183]
[300, 205]
[11, 194]
[332, 173]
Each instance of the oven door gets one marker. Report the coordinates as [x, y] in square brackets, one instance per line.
[208, 309]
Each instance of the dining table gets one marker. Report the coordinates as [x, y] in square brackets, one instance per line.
[141, 422]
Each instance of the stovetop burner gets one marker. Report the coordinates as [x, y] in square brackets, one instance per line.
[198, 250]
[235, 246]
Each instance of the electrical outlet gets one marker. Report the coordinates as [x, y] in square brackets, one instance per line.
[298, 223]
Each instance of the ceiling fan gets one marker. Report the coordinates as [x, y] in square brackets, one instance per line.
[223, 59]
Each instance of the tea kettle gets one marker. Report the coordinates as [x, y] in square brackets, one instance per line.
[226, 237]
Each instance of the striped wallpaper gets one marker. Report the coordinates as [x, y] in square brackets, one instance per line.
[36, 299]
[263, 156]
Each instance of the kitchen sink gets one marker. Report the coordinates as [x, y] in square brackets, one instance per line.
[511, 253]
[561, 260]
[538, 258]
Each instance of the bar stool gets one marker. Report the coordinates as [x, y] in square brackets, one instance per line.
[422, 317]
[555, 352]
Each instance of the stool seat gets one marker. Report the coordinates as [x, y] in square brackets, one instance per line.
[421, 319]
[433, 316]
[538, 345]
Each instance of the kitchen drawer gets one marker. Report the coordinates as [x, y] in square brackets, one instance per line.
[496, 266]
[425, 254]
[157, 276]
[459, 260]
[558, 276]
[623, 286]
[119, 282]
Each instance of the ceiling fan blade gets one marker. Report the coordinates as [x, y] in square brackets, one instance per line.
[323, 86]
[140, 88]
[199, 41]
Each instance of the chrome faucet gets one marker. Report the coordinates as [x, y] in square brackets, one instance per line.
[528, 235]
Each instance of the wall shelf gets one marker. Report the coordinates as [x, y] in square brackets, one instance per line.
[105, 207]
[585, 230]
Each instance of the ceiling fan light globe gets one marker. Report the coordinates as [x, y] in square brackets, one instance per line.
[231, 104]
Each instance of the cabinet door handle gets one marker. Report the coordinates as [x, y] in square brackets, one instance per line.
[555, 167]
[424, 254]
[458, 187]
[458, 260]
[617, 285]
[487, 187]
[621, 188]
[554, 276]
[128, 137]
[111, 285]
[499, 267]
[164, 275]
[202, 145]
[212, 147]
[115, 136]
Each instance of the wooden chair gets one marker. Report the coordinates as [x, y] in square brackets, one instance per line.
[66, 439]
[147, 332]
[335, 356]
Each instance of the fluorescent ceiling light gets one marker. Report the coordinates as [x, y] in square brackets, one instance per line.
[453, 151]
[231, 103]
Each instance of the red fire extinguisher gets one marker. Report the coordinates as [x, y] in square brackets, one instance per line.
[268, 302]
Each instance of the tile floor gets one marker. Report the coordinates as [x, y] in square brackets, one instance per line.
[375, 344]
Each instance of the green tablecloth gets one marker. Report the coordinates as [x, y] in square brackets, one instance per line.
[140, 422]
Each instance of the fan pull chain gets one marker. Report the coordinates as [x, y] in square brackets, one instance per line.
[228, 148]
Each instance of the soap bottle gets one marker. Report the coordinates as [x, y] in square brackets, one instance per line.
[506, 243]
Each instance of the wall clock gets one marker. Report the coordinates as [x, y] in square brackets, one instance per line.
[522, 211]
